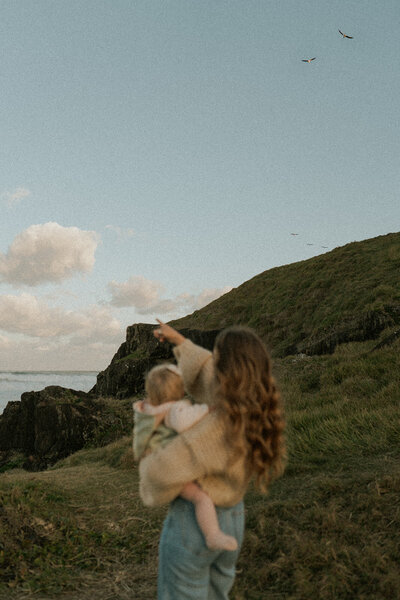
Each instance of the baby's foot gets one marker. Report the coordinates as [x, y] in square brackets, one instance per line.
[221, 541]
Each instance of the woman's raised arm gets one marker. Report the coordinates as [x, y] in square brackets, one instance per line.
[195, 363]
[167, 333]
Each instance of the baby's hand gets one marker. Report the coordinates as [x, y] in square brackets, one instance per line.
[138, 405]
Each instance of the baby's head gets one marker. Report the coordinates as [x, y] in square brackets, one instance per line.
[164, 383]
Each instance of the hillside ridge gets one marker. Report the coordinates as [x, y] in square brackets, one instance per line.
[351, 293]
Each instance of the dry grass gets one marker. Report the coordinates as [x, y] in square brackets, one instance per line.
[81, 532]
[325, 536]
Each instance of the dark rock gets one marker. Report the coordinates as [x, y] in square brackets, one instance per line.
[367, 326]
[48, 425]
[387, 341]
[124, 377]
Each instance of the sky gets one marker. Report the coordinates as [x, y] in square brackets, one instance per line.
[157, 153]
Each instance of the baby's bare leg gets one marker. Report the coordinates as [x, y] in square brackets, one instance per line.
[207, 519]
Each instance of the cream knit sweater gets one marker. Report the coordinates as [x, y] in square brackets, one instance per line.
[201, 453]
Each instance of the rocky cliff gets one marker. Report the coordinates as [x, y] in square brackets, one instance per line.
[124, 377]
[366, 326]
[49, 425]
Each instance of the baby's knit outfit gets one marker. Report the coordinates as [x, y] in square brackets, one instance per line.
[179, 416]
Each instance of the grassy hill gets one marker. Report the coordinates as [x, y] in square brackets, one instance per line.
[317, 299]
[328, 530]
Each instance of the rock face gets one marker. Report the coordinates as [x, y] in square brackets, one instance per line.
[367, 326]
[387, 341]
[124, 377]
[47, 425]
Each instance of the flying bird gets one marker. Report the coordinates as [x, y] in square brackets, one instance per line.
[310, 244]
[308, 59]
[294, 234]
[349, 37]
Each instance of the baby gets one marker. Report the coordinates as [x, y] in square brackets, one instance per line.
[158, 419]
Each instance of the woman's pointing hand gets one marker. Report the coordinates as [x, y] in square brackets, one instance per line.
[166, 333]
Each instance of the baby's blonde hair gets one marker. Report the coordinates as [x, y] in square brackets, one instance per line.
[164, 383]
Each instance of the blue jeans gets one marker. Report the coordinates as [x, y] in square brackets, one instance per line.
[187, 569]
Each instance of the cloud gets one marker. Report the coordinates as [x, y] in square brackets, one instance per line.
[205, 297]
[12, 198]
[96, 324]
[48, 253]
[28, 315]
[145, 296]
[137, 291]
[54, 354]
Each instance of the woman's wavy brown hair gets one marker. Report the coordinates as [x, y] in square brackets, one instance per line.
[247, 394]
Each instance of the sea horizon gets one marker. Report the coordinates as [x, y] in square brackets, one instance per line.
[13, 383]
[49, 371]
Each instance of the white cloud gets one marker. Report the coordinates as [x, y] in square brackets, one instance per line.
[145, 296]
[204, 298]
[26, 314]
[31, 316]
[12, 198]
[137, 291]
[38, 335]
[30, 354]
[48, 253]
[97, 324]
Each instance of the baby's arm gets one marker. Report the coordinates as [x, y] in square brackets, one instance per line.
[158, 412]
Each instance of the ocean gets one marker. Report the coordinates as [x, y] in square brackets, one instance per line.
[15, 383]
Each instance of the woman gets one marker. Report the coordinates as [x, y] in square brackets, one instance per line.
[241, 437]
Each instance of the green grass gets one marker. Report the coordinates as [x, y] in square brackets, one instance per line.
[328, 529]
[293, 304]
[325, 536]
[15, 461]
